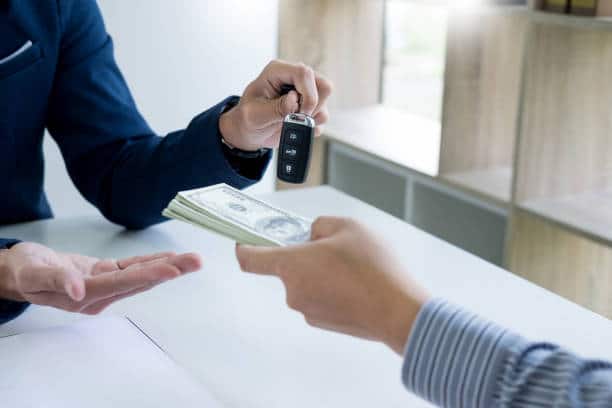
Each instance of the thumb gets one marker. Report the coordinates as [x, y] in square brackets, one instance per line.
[260, 260]
[267, 112]
[325, 227]
[53, 279]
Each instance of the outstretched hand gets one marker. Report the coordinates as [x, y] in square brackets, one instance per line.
[76, 283]
[345, 280]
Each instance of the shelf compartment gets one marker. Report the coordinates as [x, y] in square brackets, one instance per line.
[588, 214]
[492, 183]
[571, 21]
[390, 134]
[563, 170]
[485, 52]
[571, 265]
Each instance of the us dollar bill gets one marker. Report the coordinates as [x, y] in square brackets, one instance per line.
[239, 216]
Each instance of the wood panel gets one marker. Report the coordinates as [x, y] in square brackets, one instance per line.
[342, 39]
[565, 146]
[570, 265]
[482, 84]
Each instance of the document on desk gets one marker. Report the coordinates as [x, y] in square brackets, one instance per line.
[105, 362]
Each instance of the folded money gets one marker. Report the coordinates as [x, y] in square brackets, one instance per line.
[238, 216]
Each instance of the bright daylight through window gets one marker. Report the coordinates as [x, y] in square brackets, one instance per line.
[415, 40]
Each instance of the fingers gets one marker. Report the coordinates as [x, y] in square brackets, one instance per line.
[325, 88]
[87, 306]
[261, 113]
[301, 76]
[106, 288]
[66, 280]
[259, 260]
[101, 305]
[137, 275]
[124, 263]
[322, 117]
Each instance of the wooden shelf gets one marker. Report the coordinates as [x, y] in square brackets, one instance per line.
[588, 214]
[564, 155]
[485, 51]
[571, 21]
[494, 183]
[558, 259]
[390, 134]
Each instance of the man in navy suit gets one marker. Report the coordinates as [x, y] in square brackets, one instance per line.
[58, 72]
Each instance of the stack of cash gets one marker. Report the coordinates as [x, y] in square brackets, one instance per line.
[238, 216]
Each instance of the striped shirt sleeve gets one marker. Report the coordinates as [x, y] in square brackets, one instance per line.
[457, 359]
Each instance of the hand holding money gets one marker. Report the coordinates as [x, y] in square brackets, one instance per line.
[340, 276]
[345, 280]
[238, 216]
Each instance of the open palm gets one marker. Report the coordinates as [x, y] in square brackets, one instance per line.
[83, 284]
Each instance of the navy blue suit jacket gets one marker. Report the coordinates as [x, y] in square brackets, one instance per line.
[58, 72]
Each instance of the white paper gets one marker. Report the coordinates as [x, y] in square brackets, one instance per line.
[106, 362]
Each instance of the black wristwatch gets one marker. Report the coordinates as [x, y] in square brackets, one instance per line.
[243, 154]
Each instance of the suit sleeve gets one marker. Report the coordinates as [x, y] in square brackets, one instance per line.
[116, 161]
[10, 309]
[457, 359]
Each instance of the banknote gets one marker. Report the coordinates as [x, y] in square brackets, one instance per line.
[239, 216]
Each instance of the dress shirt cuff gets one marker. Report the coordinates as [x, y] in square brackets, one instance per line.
[454, 358]
[239, 173]
[10, 309]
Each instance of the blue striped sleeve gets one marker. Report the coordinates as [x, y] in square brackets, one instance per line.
[457, 359]
[453, 357]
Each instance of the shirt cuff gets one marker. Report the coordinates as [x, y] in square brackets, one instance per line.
[7, 243]
[10, 309]
[454, 358]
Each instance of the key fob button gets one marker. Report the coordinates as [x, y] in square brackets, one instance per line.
[288, 168]
[290, 152]
[293, 137]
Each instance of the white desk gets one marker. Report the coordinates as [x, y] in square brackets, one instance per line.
[233, 332]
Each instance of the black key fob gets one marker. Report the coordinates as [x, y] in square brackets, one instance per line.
[295, 146]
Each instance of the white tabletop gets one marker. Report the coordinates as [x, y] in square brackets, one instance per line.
[234, 333]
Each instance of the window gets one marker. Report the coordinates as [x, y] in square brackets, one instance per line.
[415, 41]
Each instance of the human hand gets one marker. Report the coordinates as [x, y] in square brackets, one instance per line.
[256, 121]
[345, 280]
[37, 274]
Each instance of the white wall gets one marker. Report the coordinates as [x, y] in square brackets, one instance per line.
[179, 57]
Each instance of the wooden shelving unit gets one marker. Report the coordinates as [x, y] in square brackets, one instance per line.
[485, 50]
[556, 258]
[564, 163]
[561, 231]
[492, 183]
[519, 171]
[588, 214]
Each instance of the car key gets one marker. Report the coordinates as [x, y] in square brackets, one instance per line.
[295, 146]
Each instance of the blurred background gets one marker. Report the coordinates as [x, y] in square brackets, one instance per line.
[484, 123]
